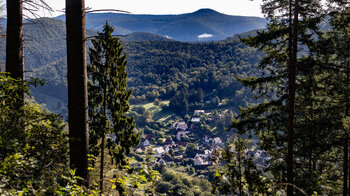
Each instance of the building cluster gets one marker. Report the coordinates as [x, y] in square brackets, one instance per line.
[175, 150]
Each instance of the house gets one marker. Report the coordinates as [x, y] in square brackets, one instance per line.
[215, 148]
[199, 161]
[140, 150]
[217, 140]
[181, 126]
[196, 120]
[207, 139]
[207, 152]
[159, 150]
[145, 142]
[181, 134]
[198, 112]
[202, 161]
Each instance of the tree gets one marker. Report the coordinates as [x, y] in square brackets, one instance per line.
[274, 116]
[240, 174]
[109, 100]
[293, 50]
[33, 153]
[77, 88]
[14, 41]
[14, 36]
[333, 54]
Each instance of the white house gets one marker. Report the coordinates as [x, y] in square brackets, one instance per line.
[196, 120]
[198, 112]
[207, 139]
[146, 142]
[217, 140]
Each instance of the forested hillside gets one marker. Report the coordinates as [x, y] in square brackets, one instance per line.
[198, 72]
[157, 69]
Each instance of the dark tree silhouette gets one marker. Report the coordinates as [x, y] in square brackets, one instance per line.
[14, 40]
[77, 87]
[293, 48]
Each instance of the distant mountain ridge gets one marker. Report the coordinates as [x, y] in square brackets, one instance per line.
[202, 25]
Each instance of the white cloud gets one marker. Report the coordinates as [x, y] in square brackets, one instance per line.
[205, 35]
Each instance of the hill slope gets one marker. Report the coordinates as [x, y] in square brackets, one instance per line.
[157, 69]
[202, 25]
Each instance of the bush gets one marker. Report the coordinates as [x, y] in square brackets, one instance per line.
[164, 187]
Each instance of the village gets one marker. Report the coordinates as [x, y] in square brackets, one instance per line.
[188, 146]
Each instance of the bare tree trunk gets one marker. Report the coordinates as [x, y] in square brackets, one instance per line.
[346, 140]
[14, 41]
[103, 131]
[291, 99]
[345, 167]
[77, 88]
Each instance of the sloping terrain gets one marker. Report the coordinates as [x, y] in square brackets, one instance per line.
[157, 69]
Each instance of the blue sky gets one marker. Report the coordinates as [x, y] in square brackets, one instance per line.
[231, 7]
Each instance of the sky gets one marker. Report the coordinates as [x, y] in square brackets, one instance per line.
[159, 7]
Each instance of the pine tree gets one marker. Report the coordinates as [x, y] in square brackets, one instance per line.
[270, 116]
[333, 55]
[240, 174]
[109, 100]
[77, 88]
[14, 42]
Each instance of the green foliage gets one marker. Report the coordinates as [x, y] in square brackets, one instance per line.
[33, 143]
[240, 174]
[108, 98]
[177, 183]
[72, 186]
[317, 122]
[192, 73]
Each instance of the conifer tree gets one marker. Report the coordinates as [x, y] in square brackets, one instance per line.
[14, 42]
[77, 88]
[240, 174]
[109, 100]
[333, 55]
[269, 117]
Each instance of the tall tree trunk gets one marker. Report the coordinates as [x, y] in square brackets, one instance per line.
[291, 99]
[103, 130]
[77, 88]
[14, 40]
[346, 140]
[345, 167]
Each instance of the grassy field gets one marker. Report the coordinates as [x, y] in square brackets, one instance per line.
[159, 115]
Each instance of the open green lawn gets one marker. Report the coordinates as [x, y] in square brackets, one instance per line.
[159, 115]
